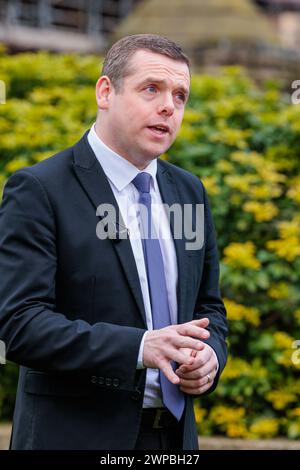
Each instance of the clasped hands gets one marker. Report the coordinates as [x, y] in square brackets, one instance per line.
[182, 344]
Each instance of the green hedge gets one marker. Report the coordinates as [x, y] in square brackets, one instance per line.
[244, 143]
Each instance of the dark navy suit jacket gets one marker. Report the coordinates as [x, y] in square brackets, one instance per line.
[71, 306]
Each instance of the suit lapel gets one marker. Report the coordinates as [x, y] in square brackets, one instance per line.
[170, 196]
[95, 184]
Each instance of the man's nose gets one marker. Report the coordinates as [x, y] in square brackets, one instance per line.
[166, 106]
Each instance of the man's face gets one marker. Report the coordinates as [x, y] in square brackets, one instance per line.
[142, 120]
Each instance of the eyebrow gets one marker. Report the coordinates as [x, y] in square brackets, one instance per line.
[161, 80]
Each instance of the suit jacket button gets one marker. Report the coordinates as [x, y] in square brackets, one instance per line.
[101, 380]
[108, 381]
[136, 395]
[116, 382]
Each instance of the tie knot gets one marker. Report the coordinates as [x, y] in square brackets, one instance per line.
[142, 182]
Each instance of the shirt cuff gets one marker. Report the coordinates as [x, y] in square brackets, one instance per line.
[140, 364]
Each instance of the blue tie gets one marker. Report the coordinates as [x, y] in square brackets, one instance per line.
[172, 396]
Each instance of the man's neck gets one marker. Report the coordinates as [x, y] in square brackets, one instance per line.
[140, 165]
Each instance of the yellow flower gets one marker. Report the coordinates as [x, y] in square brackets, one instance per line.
[248, 159]
[284, 343]
[289, 229]
[193, 116]
[199, 414]
[265, 427]
[261, 211]
[223, 415]
[288, 248]
[283, 340]
[187, 132]
[295, 412]
[265, 191]
[210, 184]
[16, 164]
[240, 183]
[241, 312]
[241, 255]
[233, 137]
[285, 359]
[237, 367]
[272, 96]
[265, 170]
[235, 430]
[280, 398]
[279, 290]
[294, 191]
[268, 173]
[224, 166]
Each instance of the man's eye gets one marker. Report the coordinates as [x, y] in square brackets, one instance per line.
[181, 97]
[151, 88]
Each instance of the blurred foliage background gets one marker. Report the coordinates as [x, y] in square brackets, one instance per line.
[244, 143]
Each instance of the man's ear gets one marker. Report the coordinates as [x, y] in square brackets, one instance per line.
[103, 90]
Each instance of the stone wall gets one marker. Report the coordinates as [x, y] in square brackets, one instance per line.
[205, 443]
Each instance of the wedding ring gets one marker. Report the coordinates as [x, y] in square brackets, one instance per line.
[209, 379]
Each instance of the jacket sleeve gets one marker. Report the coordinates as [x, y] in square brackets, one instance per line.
[209, 302]
[36, 335]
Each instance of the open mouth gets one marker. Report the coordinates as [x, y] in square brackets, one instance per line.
[160, 130]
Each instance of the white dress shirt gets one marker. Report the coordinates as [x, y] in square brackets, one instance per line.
[120, 172]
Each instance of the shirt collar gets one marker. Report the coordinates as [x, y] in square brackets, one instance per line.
[117, 169]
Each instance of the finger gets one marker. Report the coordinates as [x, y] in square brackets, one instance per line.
[188, 375]
[204, 322]
[202, 368]
[208, 369]
[166, 368]
[182, 342]
[204, 381]
[181, 357]
[193, 330]
[190, 384]
[196, 382]
[196, 391]
[202, 358]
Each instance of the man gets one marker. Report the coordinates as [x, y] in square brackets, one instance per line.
[116, 334]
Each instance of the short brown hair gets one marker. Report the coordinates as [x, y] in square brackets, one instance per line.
[117, 61]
